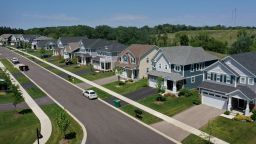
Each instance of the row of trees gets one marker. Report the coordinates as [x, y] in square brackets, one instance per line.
[9, 30]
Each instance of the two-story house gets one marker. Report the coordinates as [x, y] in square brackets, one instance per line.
[16, 40]
[135, 61]
[230, 83]
[70, 49]
[43, 42]
[107, 56]
[63, 42]
[5, 39]
[179, 67]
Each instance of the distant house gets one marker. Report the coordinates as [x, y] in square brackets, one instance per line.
[70, 49]
[63, 42]
[135, 61]
[230, 83]
[29, 38]
[5, 39]
[16, 40]
[107, 56]
[179, 67]
[43, 42]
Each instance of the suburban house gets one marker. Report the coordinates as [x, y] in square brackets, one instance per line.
[29, 38]
[16, 40]
[179, 67]
[5, 39]
[70, 49]
[107, 56]
[43, 42]
[230, 83]
[135, 61]
[63, 42]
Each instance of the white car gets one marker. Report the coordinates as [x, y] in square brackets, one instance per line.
[90, 94]
[15, 60]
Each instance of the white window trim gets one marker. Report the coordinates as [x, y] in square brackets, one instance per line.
[249, 81]
[218, 77]
[159, 66]
[192, 68]
[228, 76]
[209, 76]
[177, 66]
[193, 79]
[242, 77]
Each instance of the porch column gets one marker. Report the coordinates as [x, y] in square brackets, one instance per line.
[247, 110]
[174, 88]
[229, 103]
[132, 75]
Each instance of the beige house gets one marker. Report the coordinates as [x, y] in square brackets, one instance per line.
[135, 61]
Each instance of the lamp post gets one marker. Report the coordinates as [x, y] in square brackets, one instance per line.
[38, 135]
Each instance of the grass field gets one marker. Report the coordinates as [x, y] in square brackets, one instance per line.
[234, 132]
[18, 128]
[52, 111]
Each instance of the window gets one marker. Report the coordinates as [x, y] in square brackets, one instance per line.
[177, 68]
[218, 78]
[147, 60]
[242, 80]
[193, 79]
[250, 81]
[147, 69]
[160, 66]
[165, 66]
[132, 60]
[228, 79]
[192, 68]
[154, 65]
[209, 76]
[125, 58]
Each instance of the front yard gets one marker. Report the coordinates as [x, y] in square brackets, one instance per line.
[235, 132]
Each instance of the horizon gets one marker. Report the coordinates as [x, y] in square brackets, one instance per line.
[46, 13]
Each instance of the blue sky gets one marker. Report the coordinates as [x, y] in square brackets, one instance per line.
[41, 13]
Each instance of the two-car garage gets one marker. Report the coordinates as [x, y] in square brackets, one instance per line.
[214, 99]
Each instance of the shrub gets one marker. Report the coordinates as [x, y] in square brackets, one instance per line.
[253, 116]
[169, 95]
[239, 117]
[227, 112]
[196, 101]
[138, 113]
[160, 98]
[187, 92]
[62, 60]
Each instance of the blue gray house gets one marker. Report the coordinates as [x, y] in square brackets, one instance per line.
[180, 67]
[230, 83]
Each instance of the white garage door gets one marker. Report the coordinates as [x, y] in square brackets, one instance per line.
[217, 102]
[152, 82]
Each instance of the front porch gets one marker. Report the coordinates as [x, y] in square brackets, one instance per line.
[83, 58]
[173, 86]
[102, 64]
[129, 74]
[238, 105]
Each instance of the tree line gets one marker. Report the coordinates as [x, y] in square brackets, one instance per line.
[9, 30]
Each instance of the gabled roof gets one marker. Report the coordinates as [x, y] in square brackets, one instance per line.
[223, 65]
[66, 40]
[166, 75]
[42, 38]
[247, 60]
[44, 43]
[30, 38]
[139, 50]
[184, 55]
[6, 36]
[71, 47]
[17, 35]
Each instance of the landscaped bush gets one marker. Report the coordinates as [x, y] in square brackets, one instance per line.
[227, 112]
[240, 117]
[169, 95]
[253, 116]
[160, 98]
[62, 60]
[138, 113]
[187, 92]
[196, 101]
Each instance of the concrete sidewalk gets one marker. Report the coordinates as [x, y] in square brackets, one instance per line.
[166, 118]
[102, 81]
[45, 123]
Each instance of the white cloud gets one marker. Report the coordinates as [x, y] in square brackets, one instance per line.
[53, 17]
[128, 17]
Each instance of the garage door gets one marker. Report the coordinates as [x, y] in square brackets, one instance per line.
[152, 82]
[217, 102]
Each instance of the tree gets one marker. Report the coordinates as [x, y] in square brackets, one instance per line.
[242, 44]
[159, 85]
[17, 96]
[63, 122]
[184, 40]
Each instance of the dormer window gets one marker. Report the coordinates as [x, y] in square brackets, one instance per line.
[125, 58]
[250, 81]
[177, 68]
[242, 80]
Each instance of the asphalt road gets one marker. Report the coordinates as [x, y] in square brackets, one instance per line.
[104, 125]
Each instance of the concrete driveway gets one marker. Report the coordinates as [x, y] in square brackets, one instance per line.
[196, 116]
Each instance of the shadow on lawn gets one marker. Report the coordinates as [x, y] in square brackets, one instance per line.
[70, 135]
[25, 111]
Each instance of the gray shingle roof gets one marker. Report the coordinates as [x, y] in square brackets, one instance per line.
[30, 38]
[170, 76]
[184, 55]
[45, 43]
[228, 89]
[66, 40]
[41, 38]
[248, 60]
[5, 36]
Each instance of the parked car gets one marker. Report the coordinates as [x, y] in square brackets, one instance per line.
[15, 60]
[90, 94]
[45, 56]
[23, 67]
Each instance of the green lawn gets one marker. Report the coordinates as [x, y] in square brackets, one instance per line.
[235, 132]
[38, 53]
[146, 117]
[22, 79]
[18, 128]
[9, 66]
[51, 111]
[35, 92]
[97, 75]
[101, 94]
[6, 97]
[127, 87]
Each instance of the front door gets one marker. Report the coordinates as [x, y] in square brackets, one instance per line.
[169, 85]
[238, 104]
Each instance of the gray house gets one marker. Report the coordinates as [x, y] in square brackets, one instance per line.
[43, 42]
[230, 83]
[5, 39]
[180, 67]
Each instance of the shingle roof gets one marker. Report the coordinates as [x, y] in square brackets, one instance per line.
[44, 43]
[184, 55]
[41, 38]
[228, 89]
[17, 35]
[248, 60]
[71, 47]
[112, 46]
[140, 50]
[66, 40]
[6, 36]
[30, 38]
[169, 76]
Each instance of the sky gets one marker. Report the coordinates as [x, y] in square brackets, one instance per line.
[43, 13]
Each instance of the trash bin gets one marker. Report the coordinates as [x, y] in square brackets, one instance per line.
[117, 103]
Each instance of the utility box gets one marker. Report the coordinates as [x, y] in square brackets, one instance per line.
[117, 103]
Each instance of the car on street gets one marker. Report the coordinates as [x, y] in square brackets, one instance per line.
[91, 94]
[23, 67]
[15, 60]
